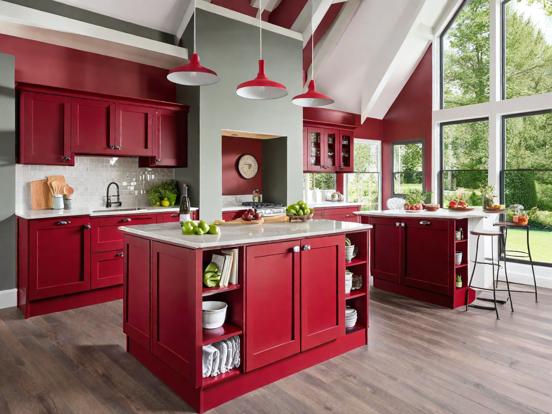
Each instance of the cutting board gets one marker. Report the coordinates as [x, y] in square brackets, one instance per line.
[41, 197]
[237, 221]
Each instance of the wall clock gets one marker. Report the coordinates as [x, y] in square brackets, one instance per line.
[248, 166]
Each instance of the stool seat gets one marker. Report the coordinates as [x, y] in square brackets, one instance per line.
[486, 232]
[510, 224]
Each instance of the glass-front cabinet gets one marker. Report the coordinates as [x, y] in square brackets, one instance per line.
[327, 150]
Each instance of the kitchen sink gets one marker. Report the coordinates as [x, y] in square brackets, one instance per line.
[107, 210]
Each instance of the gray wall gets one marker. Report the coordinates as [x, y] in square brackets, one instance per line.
[7, 173]
[231, 48]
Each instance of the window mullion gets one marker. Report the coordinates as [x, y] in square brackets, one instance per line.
[495, 58]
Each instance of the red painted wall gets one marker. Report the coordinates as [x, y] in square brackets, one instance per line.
[409, 119]
[51, 65]
[232, 181]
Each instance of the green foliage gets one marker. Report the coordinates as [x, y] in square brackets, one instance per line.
[415, 197]
[521, 189]
[168, 189]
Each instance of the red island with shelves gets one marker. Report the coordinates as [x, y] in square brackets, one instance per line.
[288, 307]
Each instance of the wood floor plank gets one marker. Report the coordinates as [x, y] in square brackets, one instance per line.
[421, 359]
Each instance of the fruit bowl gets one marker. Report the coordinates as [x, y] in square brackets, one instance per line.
[300, 218]
[461, 208]
[432, 207]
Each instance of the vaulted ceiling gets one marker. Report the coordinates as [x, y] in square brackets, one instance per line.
[365, 50]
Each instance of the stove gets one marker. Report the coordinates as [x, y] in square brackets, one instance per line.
[266, 209]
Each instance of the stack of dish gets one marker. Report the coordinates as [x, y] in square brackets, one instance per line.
[350, 317]
[348, 281]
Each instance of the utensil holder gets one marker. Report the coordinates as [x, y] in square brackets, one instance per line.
[67, 203]
[57, 202]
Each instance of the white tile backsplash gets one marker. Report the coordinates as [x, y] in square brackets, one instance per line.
[90, 177]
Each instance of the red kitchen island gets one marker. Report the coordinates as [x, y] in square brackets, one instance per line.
[288, 307]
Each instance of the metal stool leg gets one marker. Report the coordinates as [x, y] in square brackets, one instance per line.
[494, 286]
[503, 241]
[473, 271]
[532, 267]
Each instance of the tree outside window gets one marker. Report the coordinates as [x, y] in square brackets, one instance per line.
[363, 186]
[408, 167]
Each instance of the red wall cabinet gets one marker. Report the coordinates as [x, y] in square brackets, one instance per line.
[327, 150]
[134, 125]
[92, 126]
[59, 257]
[345, 151]
[322, 290]
[272, 303]
[170, 140]
[106, 235]
[137, 299]
[45, 126]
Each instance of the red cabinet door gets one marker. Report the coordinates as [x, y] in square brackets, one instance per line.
[175, 284]
[314, 154]
[168, 217]
[45, 126]
[59, 257]
[106, 235]
[428, 260]
[330, 150]
[387, 249]
[345, 151]
[134, 133]
[137, 293]
[322, 290]
[92, 126]
[170, 140]
[272, 303]
[107, 269]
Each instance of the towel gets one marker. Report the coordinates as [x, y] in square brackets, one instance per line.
[231, 351]
[223, 350]
[210, 354]
[236, 362]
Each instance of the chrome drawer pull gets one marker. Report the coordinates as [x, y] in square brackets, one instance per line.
[306, 247]
[295, 249]
[63, 223]
[425, 222]
[126, 220]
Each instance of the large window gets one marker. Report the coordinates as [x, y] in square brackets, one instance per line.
[465, 53]
[527, 34]
[408, 167]
[363, 186]
[527, 178]
[464, 160]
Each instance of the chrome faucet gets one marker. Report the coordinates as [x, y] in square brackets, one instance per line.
[108, 202]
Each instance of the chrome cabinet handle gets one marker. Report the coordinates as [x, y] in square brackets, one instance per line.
[126, 220]
[158, 160]
[63, 223]
[120, 254]
[397, 224]
[117, 147]
[425, 222]
[403, 224]
[65, 158]
[174, 215]
[295, 249]
[306, 247]
[87, 227]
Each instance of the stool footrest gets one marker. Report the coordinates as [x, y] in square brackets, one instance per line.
[482, 307]
[501, 301]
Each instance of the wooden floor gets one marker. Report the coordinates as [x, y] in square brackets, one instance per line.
[421, 359]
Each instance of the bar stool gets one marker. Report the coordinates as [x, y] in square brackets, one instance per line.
[493, 234]
[518, 254]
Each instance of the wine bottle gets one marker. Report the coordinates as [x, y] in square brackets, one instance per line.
[185, 209]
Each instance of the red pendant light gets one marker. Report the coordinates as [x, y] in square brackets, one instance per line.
[312, 98]
[261, 87]
[192, 73]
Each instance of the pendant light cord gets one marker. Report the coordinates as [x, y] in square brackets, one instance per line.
[260, 29]
[312, 39]
[195, 29]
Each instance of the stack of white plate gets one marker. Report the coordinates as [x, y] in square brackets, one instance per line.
[350, 317]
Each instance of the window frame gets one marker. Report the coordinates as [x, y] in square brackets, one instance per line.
[393, 172]
[379, 171]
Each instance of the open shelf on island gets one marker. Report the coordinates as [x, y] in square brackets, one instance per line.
[460, 266]
[214, 290]
[460, 241]
[210, 336]
[355, 294]
[357, 328]
[356, 262]
[219, 378]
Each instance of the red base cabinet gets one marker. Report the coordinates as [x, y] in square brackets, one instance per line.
[416, 258]
[288, 308]
[337, 213]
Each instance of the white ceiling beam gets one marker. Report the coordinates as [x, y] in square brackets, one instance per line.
[267, 5]
[186, 17]
[253, 21]
[303, 22]
[29, 23]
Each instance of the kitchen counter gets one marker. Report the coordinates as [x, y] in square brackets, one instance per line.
[100, 212]
[333, 204]
[233, 235]
[440, 214]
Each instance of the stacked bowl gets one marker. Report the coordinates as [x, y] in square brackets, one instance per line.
[350, 317]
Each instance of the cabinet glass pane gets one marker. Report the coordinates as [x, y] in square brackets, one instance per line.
[315, 146]
[346, 151]
[332, 138]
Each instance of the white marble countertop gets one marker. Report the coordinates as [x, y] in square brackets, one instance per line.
[442, 213]
[333, 204]
[100, 212]
[238, 235]
[234, 208]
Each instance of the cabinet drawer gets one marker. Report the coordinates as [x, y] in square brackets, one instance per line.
[168, 217]
[107, 269]
[106, 235]
[428, 223]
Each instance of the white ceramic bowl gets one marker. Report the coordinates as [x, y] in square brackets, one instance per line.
[214, 314]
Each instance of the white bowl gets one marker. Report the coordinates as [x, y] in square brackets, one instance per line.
[214, 314]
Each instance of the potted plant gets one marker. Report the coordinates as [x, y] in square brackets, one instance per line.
[414, 200]
[488, 196]
[458, 280]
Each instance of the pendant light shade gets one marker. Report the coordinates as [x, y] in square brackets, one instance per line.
[261, 87]
[312, 97]
[193, 74]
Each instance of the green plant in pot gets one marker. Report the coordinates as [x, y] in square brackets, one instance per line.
[488, 196]
[458, 280]
[164, 194]
[414, 200]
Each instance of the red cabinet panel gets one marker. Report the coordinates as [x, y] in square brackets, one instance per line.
[92, 126]
[168, 217]
[134, 135]
[170, 140]
[136, 309]
[107, 269]
[106, 235]
[59, 257]
[174, 286]
[272, 303]
[44, 136]
[327, 149]
[387, 249]
[428, 271]
[322, 290]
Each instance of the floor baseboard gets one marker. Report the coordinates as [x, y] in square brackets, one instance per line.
[8, 298]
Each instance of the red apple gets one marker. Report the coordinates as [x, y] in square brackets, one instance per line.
[462, 204]
[258, 216]
[453, 204]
